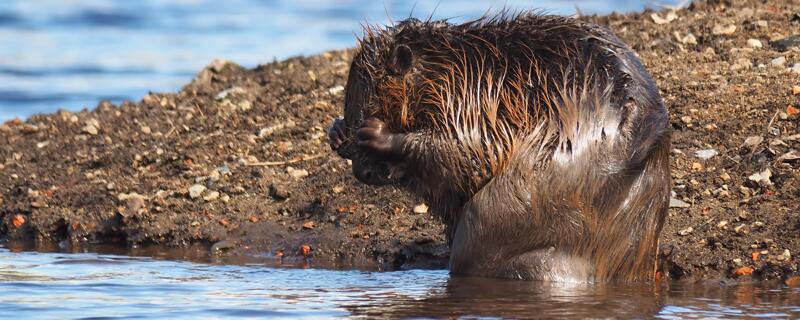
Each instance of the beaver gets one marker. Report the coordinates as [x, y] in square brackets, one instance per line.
[541, 141]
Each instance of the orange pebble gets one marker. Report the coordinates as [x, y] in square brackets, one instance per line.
[744, 271]
[18, 220]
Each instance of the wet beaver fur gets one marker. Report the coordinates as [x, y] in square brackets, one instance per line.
[540, 140]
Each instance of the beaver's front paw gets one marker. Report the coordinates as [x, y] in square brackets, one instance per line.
[336, 134]
[375, 138]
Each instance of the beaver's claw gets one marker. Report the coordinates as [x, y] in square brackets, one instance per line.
[336, 134]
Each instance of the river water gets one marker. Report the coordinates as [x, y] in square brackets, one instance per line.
[71, 54]
[55, 285]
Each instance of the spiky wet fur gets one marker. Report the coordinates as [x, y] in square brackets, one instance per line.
[540, 140]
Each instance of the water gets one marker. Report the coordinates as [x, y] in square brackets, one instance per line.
[53, 285]
[72, 54]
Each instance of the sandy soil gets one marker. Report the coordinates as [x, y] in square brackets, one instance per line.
[238, 159]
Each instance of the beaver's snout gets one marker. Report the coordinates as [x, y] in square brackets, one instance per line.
[377, 173]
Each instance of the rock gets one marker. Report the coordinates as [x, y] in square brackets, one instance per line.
[18, 220]
[89, 129]
[722, 224]
[786, 255]
[742, 215]
[222, 95]
[761, 177]
[786, 43]
[196, 191]
[741, 229]
[338, 189]
[795, 68]
[297, 173]
[778, 62]
[336, 90]
[761, 23]
[752, 141]
[688, 39]
[795, 90]
[308, 225]
[725, 176]
[723, 29]
[128, 196]
[211, 196]
[670, 16]
[279, 192]
[744, 271]
[134, 203]
[705, 154]
[789, 156]
[742, 64]
[421, 208]
[221, 245]
[146, 130]
[754, 43]
[677, 203]
[686, 232]
[686, 119]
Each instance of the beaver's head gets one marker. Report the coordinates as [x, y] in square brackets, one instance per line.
[381, 85]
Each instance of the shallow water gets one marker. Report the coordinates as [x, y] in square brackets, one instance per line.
[54, 285]
[71, 54]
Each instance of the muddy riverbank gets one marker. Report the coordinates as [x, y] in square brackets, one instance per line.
[239, 159]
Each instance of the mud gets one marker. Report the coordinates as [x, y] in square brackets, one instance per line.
[239, 159]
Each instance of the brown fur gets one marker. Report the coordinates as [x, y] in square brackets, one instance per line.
[540, 140]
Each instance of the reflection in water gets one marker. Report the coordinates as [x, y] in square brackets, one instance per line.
[75, 285]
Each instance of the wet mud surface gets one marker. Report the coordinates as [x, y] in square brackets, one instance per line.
[238, 160]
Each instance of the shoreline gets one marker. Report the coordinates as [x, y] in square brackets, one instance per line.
[238, 159]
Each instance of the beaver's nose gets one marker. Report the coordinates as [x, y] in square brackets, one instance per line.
[364, 174]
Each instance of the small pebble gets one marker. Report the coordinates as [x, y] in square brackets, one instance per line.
[789, 156]
[686, 232]
[221, 245]
[723, 29]
[420, 208]
[279, 191]
[297, 173]
[778, 62]
[706, 154]
[754, 43]
[196, 191]
[762, 176]
[669, 17]
[786, 255]
[211, 196]
[752, 141]
[677, 203]
[89, 129]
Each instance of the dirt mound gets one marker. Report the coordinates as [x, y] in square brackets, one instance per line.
[240, 158]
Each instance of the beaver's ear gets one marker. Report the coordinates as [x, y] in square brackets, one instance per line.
[402, 59]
